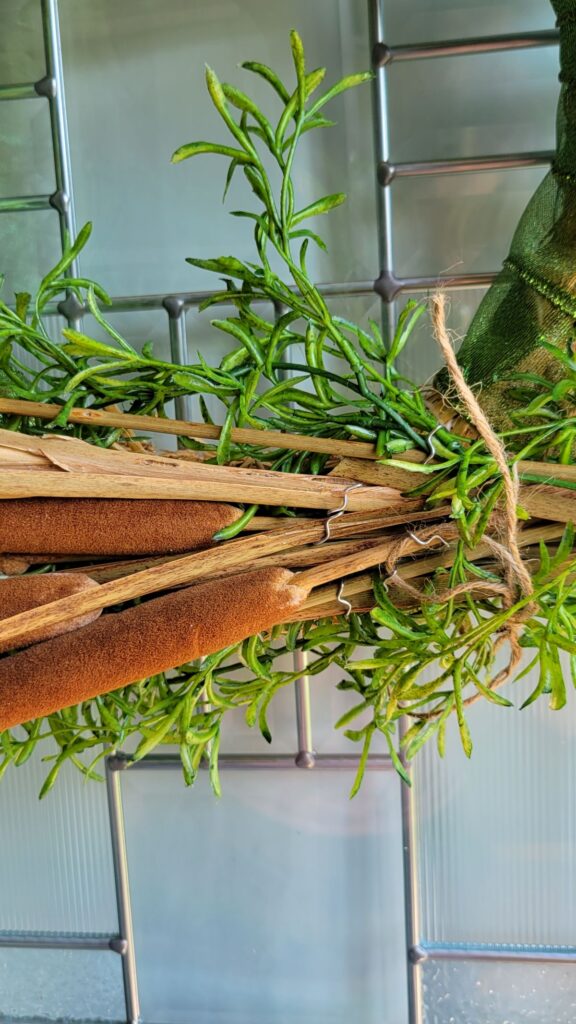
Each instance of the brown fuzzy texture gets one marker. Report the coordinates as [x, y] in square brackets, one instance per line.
[109, 526]
[153, 637]
[26, 592]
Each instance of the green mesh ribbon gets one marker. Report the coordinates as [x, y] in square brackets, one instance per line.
[533, 299]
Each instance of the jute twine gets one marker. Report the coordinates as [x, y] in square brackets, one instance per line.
[517, 582]
[517, 574]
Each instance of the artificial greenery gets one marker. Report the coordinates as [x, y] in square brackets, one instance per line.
[357, 393]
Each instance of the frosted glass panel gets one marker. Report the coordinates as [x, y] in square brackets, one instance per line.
[135, 74]
[497, 835]
[26, 160]
[21, 47]
[444, 19]
[445, 225]
[49, 984]
[55, 863]
[281, 901]
[29, 246]
[475, 993]
[474, 105]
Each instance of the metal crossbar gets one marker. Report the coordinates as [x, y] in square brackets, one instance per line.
[342, 289]
[384, 54]
[39, 940]
[500, 953]
[387, 172]
[25, 91]
[21, 204]
[255, 763]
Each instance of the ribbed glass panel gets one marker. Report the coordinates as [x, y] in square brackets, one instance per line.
[60, 985]
[55, 862]
[280, 902]
[497, 835]
[507, 993]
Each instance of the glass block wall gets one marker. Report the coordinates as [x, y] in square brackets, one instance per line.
[283, 900]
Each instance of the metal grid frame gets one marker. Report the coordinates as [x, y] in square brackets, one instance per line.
[388, 286]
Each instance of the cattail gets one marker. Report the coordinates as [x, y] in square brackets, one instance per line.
[26, 592]
[109, 526]
[123, 647]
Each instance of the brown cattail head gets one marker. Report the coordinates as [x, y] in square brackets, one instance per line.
[123, 647]
[109, 526]
[26, 592]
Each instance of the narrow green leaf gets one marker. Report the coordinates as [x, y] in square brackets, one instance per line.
[269, 76]
[363, 760]
[93, 307]
[345, 83]
[309, 125]
[22, 303]
[305, 233]
[50, 779]
[465, 736]
[351, 714]
[405, 325]
[224, 441]
[240, 524]
[234, 164]
[197, 148]
[262, 720]
[216, 91]
[545, 677]
[299, 65]
[237, 331]
[492, 695]
[419, 738]
[188, 769]
[313, 80]
[218, 98]
[442, 722]
[224, 265]
[68, 258]
[152, 739]
[243, 102]
[214, 774]
[396, 760]
[323, 205]
[565, 546]
[81, 344]
[558, 695]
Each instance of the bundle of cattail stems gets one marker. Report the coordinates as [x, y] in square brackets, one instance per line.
[136, 524]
